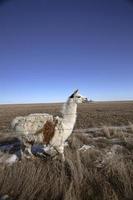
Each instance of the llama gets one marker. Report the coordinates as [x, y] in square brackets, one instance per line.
[23, 125]
[55, 130]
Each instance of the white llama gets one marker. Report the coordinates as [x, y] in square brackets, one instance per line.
[54, 131]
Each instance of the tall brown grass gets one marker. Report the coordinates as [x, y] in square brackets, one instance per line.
[104, 171]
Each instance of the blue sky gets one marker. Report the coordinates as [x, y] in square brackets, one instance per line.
[49, 48]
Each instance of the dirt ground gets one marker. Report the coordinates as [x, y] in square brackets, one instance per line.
[93, 114]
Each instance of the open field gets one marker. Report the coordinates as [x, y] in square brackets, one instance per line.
[98, 165]
[89, 115]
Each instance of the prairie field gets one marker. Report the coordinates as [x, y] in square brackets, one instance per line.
[98, 159]
[93, 114]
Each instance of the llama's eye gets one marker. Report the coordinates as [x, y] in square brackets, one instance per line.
[78, 96]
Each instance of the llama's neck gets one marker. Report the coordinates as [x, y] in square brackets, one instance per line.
[69, 113]
[65, 129]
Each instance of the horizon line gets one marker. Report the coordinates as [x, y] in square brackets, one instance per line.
[60, 102]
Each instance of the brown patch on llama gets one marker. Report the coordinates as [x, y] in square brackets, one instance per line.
[48, 131]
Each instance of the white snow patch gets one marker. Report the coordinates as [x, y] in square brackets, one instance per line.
[86, 147]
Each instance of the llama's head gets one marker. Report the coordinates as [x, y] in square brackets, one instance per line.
[77, 97]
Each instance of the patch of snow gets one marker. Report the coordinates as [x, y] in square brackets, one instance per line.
[11, 159]
[66, 144]
[86, 147]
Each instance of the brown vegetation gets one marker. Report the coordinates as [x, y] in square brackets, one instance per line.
[98, 164]
[102, 170]
[89, 114]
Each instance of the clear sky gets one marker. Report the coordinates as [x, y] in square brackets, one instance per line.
[48, 48]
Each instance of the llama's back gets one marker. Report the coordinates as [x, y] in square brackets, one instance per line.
[30, 123]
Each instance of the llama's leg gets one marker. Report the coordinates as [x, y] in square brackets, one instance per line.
[27, 143]
[54, 151]
[45, 154]
[62, 153]
[50, 151]
[27, 151]
[60, 150]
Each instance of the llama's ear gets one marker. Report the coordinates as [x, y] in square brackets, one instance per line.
[75, 92]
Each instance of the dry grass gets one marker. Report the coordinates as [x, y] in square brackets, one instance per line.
[89, 115]
[102, 172]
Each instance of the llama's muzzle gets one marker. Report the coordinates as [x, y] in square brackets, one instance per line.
[85, 100]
